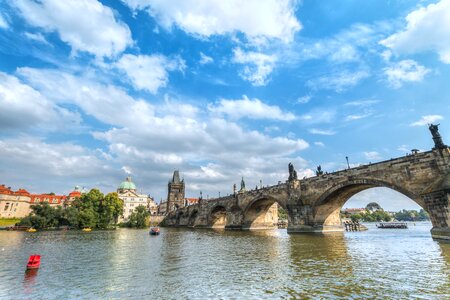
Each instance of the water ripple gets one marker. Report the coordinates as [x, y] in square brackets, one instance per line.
[207, 264]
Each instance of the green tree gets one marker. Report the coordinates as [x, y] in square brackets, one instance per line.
[69, 217]
[356, 217]
[282, 215]
[373, 206]
[87, 218]
[138, 218]
[110, 209]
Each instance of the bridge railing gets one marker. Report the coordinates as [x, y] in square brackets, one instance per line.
[365, 166]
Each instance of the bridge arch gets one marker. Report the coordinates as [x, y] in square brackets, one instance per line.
[218, 217]
[262, 213]
[193, 218]
[326, 210]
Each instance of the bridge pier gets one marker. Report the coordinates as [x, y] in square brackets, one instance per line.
[437, 200]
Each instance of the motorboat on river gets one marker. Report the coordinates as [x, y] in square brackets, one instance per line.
[154, 231]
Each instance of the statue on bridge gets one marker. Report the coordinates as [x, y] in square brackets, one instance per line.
[319, 170]
[242, 186]
[438, 143]
[292, 172]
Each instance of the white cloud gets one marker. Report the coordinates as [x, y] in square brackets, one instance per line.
[338, 81]
[258, 66]
[127, 170]
[204, 18]
[361, 103]
[427, 28]
[343, 47]
[322, 131]
[318, 116]
[320, 144]
[205, 59]
[152, 140]
[85, 25]
[250, 108]
[372, 155]
[149, 72]
[107, 103]
[357, 116]
[38, 37]
[53, 167]
[24, 107]
[403, 148]
[304, 99]
[405, 71]
[428, 119]
[3, 23]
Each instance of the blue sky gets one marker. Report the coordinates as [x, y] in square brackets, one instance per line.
[92, 90]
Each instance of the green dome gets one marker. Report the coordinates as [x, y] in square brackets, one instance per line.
[127, 184]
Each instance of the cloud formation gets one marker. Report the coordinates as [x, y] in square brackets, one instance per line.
[155, 139]
[257, 66]
[428, 119]
[149, 72]
[23, 107]
[74, 20]
[427, 28]
[250, 108]
[204, 18]
[405, 71]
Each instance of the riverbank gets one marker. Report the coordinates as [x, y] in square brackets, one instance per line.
[8, 221]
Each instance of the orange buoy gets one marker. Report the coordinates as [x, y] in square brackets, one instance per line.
[34, 262]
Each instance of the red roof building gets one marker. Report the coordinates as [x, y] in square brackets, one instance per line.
[53, 200]
[190, 201]
[14, 204]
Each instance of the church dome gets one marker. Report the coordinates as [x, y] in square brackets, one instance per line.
[127, 184]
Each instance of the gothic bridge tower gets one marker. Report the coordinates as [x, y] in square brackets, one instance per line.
[175, 194]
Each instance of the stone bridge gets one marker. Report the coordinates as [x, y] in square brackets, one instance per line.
[314, 204]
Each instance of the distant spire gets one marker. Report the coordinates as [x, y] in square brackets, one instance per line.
[176, 177]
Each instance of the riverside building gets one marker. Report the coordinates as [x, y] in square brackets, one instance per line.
[14, 204]
[131, 199]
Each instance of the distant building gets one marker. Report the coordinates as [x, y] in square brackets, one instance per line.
[52, 199]
[190, 201]
[131, 199]
[76, 193]
[175, 194]
[14, 204]
[354, 211]
[162, 208]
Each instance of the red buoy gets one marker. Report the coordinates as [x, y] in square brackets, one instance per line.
[34, 262]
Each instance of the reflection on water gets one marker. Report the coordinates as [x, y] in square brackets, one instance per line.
[205, 264]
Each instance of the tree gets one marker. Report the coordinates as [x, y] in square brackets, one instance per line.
[356, 217]
[373, 206]
[138, 218]
[90, 210]
[110, 209]
[69, 217]
[87, 218]
[282, 215]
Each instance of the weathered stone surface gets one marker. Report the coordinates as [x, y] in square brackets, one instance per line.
[313, 204]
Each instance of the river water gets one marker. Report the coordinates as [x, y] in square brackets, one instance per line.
[208, 264]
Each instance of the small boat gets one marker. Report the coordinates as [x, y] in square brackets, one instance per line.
[393, 225]
[154, 231]
[31, 230]
[87, 229]
[34, 262]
